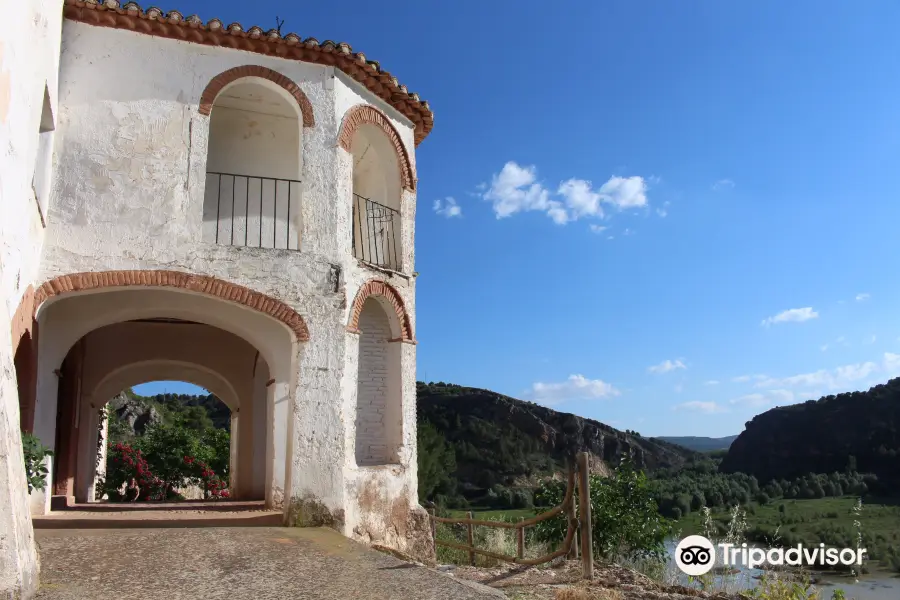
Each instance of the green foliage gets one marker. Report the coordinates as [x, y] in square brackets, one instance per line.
[625, 521]
[699, 482]
[35, 463]
[165, 446]
[189, 427]
[437, 463]
[773, 588]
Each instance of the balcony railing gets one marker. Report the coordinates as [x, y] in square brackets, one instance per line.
[376, 233]
[259, 212]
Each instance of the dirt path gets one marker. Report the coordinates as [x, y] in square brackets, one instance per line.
[237, 563]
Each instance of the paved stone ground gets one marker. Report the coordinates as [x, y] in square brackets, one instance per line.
[237, 563]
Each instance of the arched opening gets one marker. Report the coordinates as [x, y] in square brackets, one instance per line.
[185, 439]
[254, 163]
[222, 424]
[377, 232]
[98, 343]
[379, 415]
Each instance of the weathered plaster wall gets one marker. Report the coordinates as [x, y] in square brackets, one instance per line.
[129, 191]
[29, 59]
[377, 441]
[382, 501]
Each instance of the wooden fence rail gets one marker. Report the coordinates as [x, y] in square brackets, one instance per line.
[578, 519]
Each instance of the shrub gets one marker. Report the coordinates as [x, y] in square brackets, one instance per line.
[35, 465]
[128, 477]
[625, 519]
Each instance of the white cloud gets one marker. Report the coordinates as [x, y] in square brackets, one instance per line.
[516, 189]
[766, 398]
[746, 378]
[574, 388]
[722, 185]
[625, 192]
[711, 382]
[447, 208]
[699, 406]
[581, 200]
[666, 366]
[839, 378]
[891, 365]
[597, 228]
[863, 297]
[840, 341]
[664, 210]
[793, 315]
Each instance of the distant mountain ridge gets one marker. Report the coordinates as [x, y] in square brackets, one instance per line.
[700, 444]
[501, 443]
[857, 431]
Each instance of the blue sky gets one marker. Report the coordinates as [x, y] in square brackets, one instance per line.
[639, 187]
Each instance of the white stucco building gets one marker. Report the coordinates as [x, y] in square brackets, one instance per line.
[226, 206]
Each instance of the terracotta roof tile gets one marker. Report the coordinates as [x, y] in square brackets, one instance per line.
[153, 21]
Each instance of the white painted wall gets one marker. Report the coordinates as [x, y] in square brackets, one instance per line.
[258, 413]
[131, 152]
[29, 59]
[378, 396]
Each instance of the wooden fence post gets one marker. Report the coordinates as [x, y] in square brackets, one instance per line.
[520, 545]
[471, 532]
[572, 515]
[433, 528]
[584, 501]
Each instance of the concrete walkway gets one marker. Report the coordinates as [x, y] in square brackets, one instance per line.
[237, 563]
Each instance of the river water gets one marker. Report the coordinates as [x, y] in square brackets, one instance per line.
[874, 586]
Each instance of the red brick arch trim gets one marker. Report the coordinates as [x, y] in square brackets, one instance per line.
[22, 321]
[374, 287]
[222, 79]
[363, 114]
[203, 284]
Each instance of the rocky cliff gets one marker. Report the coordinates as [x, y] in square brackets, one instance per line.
[134, 413]
[858, 430]
[501, 440]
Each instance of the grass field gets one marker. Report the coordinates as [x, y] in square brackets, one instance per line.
[809, 522]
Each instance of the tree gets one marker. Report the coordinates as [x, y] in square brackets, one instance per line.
[437, 463]
[164, 447]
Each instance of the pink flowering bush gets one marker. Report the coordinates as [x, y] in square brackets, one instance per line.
[128, 477]
[213, 486]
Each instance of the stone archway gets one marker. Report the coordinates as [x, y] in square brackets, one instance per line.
[201, 284]
[401, 328]
[364, 114]
[70, 307]
[222, 80]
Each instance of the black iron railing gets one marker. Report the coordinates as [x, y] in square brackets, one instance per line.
[376, 233]
[260, 212]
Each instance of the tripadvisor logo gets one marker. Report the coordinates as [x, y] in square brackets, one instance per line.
[695, 555]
